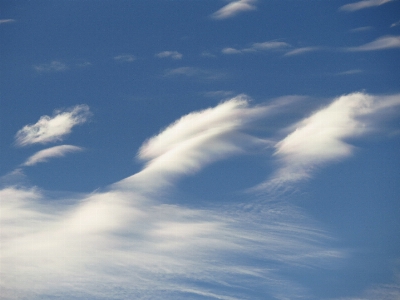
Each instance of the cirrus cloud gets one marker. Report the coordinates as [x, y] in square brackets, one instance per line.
[234, 8]
[44, 155]
[363, 4]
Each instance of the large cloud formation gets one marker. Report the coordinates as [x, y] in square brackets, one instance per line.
[131, 240]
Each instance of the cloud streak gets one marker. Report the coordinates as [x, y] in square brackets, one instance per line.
[51, 129]
[321, 138]
[124, 58]
[363, 4]
[131, 240]
[4, 21]
[127, 242]
[382, 43]
[257, 47]
[46, 154]
[234, 8]
[54, 66]
[302, 50]
[171, 54]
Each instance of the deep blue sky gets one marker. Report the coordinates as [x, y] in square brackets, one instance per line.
[289, 190]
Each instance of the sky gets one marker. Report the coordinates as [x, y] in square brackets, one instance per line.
[200, 149]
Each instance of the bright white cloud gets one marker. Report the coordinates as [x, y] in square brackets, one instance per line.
[51, 129]
[125, 58]
[119, 242]
[54, 66]
[44, 155]
[234, 8]
[382, 43]
[197, 139]
[363, 4]
[265, 46]
[171, 54]
[127, 241]
[321, 138]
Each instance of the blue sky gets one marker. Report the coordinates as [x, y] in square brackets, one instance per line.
[178, 149]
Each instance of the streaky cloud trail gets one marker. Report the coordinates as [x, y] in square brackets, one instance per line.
[126, 242]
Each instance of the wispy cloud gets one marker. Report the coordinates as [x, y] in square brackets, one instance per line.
[265, 46]
[51, 129]
[321, 138]
[395, 24]
[219, 94]
[171, 54]
[195, 72]
[127, 242]
[54, 66]
[4, 21]
[125, 58]
[301, 51]
[234, 8]
[363, 4]
[350, 72]
[44, 155]
[197, 139]
[382, 43]
[360, 29]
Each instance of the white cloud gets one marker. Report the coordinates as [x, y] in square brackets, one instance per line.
[171, 54]
[44, 155]
[52, 129]
[395, 24]
[363, 4]
[321, 138]
[121, 244]
[360, 29]
[269, 45]
[234, 8]
[54, 66]
[125, 58]
[126, 242]
[195, 72]
[350, 72]
[197, 139]
[301, 51]
[230, 51]
[265, 46]
[386, 42]
[4, 21]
